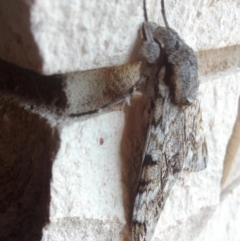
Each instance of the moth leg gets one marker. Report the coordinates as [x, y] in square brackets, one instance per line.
[124, 98]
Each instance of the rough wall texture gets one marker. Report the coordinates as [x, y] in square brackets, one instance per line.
[58, 37]
[93, 163]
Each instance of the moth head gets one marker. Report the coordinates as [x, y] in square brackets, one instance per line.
[150, 49]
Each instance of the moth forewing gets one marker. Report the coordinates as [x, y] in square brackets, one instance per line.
[196, 154]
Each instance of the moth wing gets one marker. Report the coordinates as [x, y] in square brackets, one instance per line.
[195, 145]
[162, 166]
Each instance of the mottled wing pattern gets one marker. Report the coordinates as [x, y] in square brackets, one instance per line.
[170, 142]
[196, 154]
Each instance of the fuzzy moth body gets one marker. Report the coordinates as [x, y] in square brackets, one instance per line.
[181, 66]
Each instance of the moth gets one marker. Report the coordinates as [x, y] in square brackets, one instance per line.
[175, 139]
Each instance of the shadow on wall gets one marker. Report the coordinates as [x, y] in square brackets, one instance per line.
[132, 146]
[31, 86]
[27, 148]
[17, 41]
[230, 176]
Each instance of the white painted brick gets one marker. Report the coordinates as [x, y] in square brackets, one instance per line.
[64, 36]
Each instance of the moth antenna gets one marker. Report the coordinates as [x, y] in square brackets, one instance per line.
[145, 11]
[163, 14]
